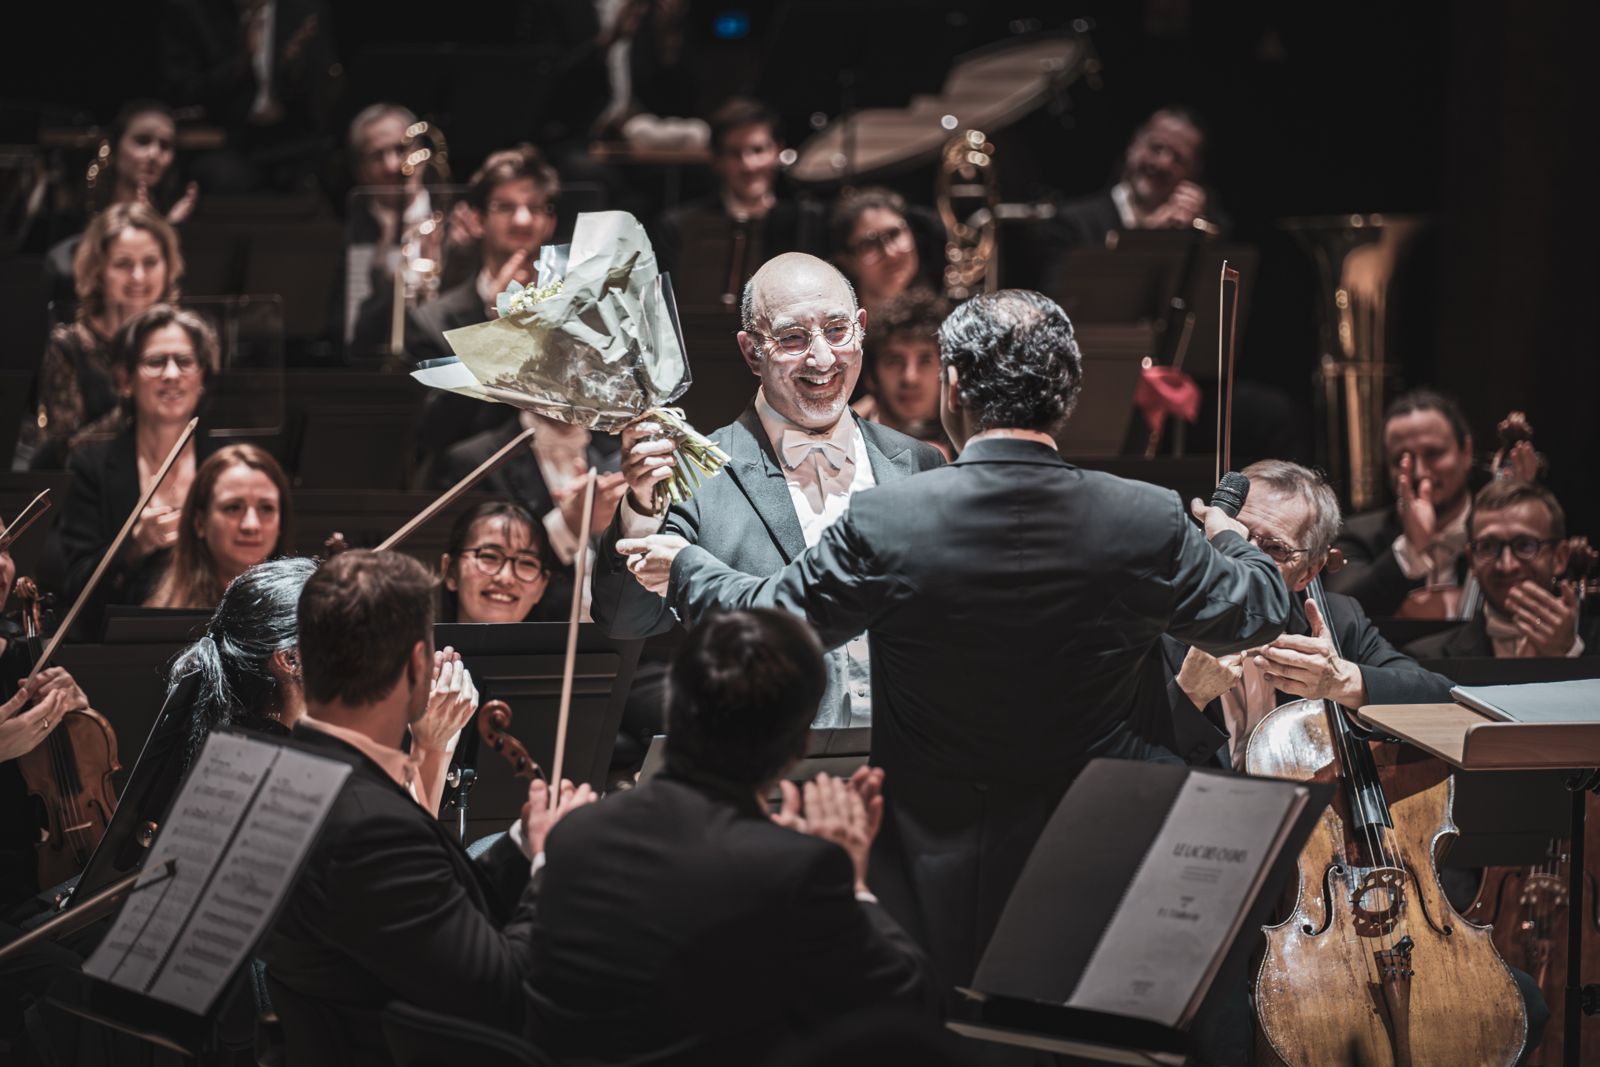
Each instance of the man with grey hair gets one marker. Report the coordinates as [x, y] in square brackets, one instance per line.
[1211, 703]
[798, 454]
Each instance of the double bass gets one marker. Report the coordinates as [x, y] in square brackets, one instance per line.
[1373, 966]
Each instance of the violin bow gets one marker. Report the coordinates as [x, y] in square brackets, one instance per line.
[567, 668]
[449, 496]
[25, 518]
[1227, 335]
[116, 546]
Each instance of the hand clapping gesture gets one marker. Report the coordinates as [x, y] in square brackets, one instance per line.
[23, 728]
[542, 811]
[451, 701]
[1419, 520]
[1548, 621]
[848, 813]
[1308, 666]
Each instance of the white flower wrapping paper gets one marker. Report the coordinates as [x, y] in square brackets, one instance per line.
[601, 351]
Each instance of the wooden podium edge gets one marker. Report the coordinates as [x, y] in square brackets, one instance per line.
[1471, 741]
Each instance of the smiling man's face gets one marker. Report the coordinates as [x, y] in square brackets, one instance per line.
[804, 295]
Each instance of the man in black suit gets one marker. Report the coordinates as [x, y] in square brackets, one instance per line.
[388, 906]
[1158, 190]
[1210, 704]
[678, 921]
[1518, 552]
[797, 455]
[513, 198]
[1013, 601]
[1416, 546]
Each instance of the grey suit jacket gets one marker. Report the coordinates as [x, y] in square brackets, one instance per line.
[745, 518]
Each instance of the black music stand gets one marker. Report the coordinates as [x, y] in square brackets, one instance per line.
[1038, 953]
[521, 664]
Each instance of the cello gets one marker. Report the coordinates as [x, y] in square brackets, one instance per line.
[1373, 966]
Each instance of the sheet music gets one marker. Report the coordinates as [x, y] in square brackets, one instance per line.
[1188, 897]
[239, 829]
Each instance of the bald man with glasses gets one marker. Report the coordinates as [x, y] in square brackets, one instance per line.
[798, 455]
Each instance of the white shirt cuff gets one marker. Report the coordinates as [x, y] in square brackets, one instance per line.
[634, 523]
[863, 895]
[1413, 564]
[1577, 647]
[518, 838]
[562, 539]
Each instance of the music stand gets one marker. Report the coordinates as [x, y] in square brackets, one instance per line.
[1112, 362]
[133, 624]
[521, 663]
[1471, 741]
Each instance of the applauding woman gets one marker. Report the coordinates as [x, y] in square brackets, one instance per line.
[237, 514]
[163, 358]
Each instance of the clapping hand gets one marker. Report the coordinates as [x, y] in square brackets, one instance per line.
[1308, 666]
[1204, 677]
[1548, 621]
[848, 813]
[157, 529]
[542, 812]
[452, 699]
[1419, 520]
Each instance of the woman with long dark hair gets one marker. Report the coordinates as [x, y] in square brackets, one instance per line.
[248, 662]
[237, 514]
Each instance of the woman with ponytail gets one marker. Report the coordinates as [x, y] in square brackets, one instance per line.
[248, 661]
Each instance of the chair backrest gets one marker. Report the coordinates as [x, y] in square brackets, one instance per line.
[421, 1038]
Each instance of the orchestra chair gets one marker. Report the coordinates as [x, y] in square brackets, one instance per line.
[421, 1038]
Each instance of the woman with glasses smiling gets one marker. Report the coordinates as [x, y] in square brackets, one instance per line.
[497, 566]
[163, 358]
[875, 244]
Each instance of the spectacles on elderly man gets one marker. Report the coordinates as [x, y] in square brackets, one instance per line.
[796, 340]
[1276, 550]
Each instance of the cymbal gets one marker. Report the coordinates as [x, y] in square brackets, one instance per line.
[986, 90]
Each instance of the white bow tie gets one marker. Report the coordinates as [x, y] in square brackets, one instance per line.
[796, 447]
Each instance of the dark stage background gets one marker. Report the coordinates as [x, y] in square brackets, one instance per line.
[1479, 115]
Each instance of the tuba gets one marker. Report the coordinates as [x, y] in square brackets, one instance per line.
[1355, 257]
[966, 195]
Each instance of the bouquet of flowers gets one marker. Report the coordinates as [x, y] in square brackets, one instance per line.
[594, 341]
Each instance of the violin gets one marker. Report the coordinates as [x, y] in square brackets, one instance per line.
[1373, 965]
[494, 728]
[68, 776]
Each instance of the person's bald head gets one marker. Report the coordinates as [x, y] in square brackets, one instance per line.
[806, 302]
[789, 277]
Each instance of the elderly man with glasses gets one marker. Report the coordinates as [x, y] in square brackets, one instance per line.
[1211, 703]
[798, 455]
[1517, 551]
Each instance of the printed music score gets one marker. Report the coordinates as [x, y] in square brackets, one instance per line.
[239, 830]
[1185, 904]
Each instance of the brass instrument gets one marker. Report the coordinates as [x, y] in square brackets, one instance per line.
[422, 244]
[1355, 257]
[966, 196]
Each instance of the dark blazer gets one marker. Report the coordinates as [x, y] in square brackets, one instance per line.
[1200, 736]
[744, 517]
[1470, 640]
[104, 490]
[388, 907]
[1012, 602]
[1371, 573]
[446, 418]
[678, 916]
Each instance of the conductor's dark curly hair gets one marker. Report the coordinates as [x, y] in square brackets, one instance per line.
[1015, 358]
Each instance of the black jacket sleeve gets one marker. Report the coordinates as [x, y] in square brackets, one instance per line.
[626, 610]
[1227, 594]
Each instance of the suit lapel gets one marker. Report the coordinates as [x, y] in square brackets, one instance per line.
[891, 457]
[754, 468]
